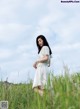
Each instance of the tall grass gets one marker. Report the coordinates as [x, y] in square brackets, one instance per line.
[62, 92]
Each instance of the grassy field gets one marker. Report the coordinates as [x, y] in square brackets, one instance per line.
[63, 92]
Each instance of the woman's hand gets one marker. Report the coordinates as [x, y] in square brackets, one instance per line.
[35, 64]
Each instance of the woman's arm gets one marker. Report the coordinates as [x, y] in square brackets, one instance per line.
[42, 60]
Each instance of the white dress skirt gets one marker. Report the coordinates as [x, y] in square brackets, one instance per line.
[40, 78]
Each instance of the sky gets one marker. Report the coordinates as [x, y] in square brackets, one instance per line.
[21, 21]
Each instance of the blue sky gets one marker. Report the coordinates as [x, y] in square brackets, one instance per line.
[21, 21]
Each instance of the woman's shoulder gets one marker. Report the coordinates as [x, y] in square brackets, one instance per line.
[45, 47]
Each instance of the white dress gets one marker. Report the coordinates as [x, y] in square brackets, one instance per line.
[40, 78]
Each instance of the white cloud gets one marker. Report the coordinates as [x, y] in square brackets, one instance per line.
[24, 47]
[33, 4]
[48, 22]
[66, 47]
[8, 9]
[5, 54]
[10, 31]
[69, 29]
[59, 21]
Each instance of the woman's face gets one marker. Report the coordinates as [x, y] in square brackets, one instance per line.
[40, 42]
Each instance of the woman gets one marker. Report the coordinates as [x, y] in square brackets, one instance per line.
[42, 64]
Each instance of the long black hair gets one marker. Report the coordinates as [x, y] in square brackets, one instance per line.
[45, 43]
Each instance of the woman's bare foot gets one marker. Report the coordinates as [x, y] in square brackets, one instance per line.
[40, 92]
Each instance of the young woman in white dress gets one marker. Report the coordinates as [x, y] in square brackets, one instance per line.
[42, 64]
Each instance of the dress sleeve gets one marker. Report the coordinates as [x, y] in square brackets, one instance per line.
[45, 50]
